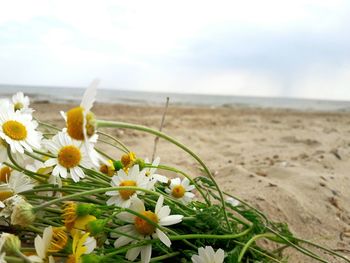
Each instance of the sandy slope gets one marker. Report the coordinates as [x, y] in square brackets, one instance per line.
[295, 166]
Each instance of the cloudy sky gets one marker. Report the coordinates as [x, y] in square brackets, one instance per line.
[297, 48]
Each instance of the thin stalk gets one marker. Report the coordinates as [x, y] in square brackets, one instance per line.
[115, 139]
[170, 255]
[251, 241]
[207, 236]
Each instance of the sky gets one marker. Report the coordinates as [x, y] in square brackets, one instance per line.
[275, 48]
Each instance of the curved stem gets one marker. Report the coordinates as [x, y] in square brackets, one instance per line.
[250, 242]
[114, 124]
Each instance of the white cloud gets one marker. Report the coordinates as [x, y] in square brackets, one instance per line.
[249, 47]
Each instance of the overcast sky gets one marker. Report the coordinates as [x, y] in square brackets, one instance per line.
[298, 48]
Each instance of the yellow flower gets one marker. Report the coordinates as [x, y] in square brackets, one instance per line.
[81, 223]
[108, 168]
[128, 160]
[69, 214]
[82, 244]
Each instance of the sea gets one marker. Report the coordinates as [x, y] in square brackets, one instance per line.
[69, 95]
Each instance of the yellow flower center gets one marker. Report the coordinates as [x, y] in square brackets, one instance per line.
[90, 124]
[178, 191]
[69, 156]
[5, 173]
[5, 194]
[125, 194]
[107, 169]
[18, 106]
[15, 130]
[128, 159]
[75, 122]
[59, 239]
[144, 227]
[69, 214]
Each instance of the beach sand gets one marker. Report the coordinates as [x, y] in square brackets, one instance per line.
[294, 166]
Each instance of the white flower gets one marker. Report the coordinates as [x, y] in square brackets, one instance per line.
[42, 245]
[9, 204]
[17, 183]
[151, 172]
[232, 201]
[81, 121]
[21, 103]
[18, 130]
[208, 255]
[135, 178]
[141, 229]
[181, 190]
[40, 168]
[70, 156]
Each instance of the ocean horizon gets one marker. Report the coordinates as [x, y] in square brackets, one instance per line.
[74, 94]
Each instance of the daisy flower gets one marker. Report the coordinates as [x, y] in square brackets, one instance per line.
[54, 239]
[122, 198]
[128, 160]
[151, 172]
[232, 201]
[141, 229]
[18, 130]
[180, 190]
[40, 168]
[17, 183]
[70, 156]
[80, 120]
[82, 244]
[5, 173]
[21, 103]
[208, 255]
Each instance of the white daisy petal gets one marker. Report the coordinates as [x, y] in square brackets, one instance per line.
[163, 237]
[170, 220]
[163, 212]
[122, 241]
[126, 217]
[133, 253]
[146, 253]
[159, 204]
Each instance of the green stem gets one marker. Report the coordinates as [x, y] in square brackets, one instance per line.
[116, 140]
[251, 241]
[322, 248]
[170, 255]
[10, 259]
[297, 247]
[91, 192]
[208, 236]
[113, 124]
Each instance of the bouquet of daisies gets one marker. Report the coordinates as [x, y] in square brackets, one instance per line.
[64, 199]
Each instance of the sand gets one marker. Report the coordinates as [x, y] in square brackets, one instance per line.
[294, 166]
